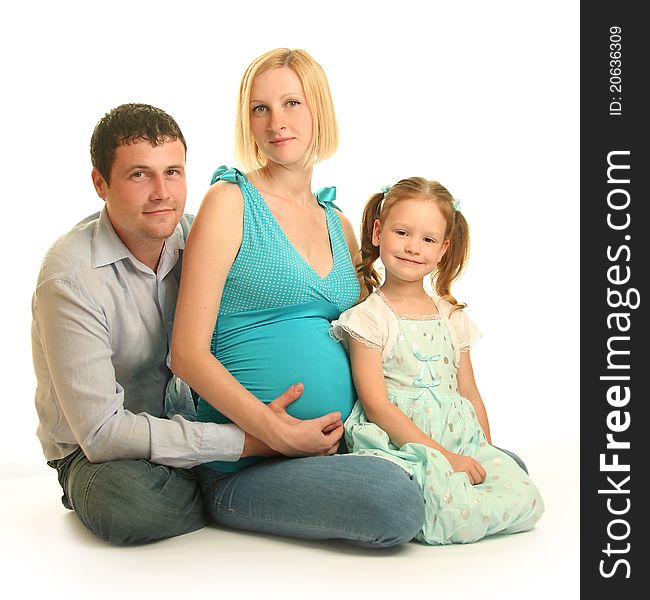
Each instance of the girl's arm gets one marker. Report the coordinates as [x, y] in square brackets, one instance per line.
[468, 389]
[368, 375]
[212, 245]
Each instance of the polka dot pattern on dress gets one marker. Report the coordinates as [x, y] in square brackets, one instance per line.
[269, 272]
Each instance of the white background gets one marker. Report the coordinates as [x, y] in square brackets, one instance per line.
[482, 96]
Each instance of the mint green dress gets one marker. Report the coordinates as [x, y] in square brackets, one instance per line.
[420, 357]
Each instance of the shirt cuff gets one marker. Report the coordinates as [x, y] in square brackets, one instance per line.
[222, 442]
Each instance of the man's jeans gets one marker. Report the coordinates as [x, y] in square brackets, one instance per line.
[130, 501]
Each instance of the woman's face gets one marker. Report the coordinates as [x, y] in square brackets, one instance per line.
[281, 121]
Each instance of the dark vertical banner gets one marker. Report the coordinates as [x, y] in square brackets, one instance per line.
[615, 267]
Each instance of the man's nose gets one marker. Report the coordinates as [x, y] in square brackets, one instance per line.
[159, 190]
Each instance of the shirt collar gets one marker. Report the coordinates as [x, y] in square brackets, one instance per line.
[108, 248]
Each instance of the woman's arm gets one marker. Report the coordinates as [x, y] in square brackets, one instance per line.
[369, 382]
[468, 389]
[212, 245]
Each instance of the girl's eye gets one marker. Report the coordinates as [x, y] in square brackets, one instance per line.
[401, 232]
[429, 240]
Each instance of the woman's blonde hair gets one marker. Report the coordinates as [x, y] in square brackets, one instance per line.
[325, 135]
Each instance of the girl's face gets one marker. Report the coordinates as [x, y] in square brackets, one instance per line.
[281, 121]
[411, 239]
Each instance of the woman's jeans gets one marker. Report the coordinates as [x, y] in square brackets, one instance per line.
[362, 499]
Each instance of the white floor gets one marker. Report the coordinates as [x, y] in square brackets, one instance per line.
[45, 550]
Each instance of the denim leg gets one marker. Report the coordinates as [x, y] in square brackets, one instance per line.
[515, 458]
[131, 501]
[366, 500]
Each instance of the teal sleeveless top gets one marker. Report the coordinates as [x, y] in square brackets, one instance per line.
[274, 318]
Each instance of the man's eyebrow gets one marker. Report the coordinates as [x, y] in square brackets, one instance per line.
[148, 167]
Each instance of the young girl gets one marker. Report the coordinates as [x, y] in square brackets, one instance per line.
[418, 402]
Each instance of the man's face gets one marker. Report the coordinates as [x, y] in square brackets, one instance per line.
[146, 197]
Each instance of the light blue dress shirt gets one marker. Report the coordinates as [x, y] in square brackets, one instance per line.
[101, 333]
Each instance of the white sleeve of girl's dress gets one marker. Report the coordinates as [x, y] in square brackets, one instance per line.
[367, 322]
[463, 330]
[466, 331]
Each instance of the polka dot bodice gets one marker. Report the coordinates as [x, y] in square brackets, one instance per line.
[430, 348]
[269, 272]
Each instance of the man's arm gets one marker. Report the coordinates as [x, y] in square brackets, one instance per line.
[73, 363]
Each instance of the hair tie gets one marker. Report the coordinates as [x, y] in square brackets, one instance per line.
[455, 204]
[380, 206]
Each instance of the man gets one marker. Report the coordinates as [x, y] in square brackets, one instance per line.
[114, 422]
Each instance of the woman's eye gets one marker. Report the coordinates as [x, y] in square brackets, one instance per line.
[293, 103]
[259, 109]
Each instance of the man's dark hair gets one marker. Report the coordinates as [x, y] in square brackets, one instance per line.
[126, 124]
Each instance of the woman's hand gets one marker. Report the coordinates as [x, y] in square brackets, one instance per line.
[466, 464]
[297, 437]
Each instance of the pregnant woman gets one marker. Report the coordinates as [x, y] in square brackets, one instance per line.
[267, 266]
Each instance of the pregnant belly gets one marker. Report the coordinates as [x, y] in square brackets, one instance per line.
[268, 356]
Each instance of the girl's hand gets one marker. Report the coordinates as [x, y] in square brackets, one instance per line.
[467, 464]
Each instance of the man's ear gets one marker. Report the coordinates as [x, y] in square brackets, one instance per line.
[101, 187]
[376, 227]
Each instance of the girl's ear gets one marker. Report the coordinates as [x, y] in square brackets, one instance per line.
[376, 227]
[445, 245]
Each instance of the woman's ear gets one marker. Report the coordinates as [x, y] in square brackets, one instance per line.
[376, 228]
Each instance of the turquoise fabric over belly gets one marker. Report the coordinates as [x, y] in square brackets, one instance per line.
[269, 350]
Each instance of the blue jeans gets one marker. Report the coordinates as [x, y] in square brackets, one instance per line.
[130, 501]
[362, 499]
